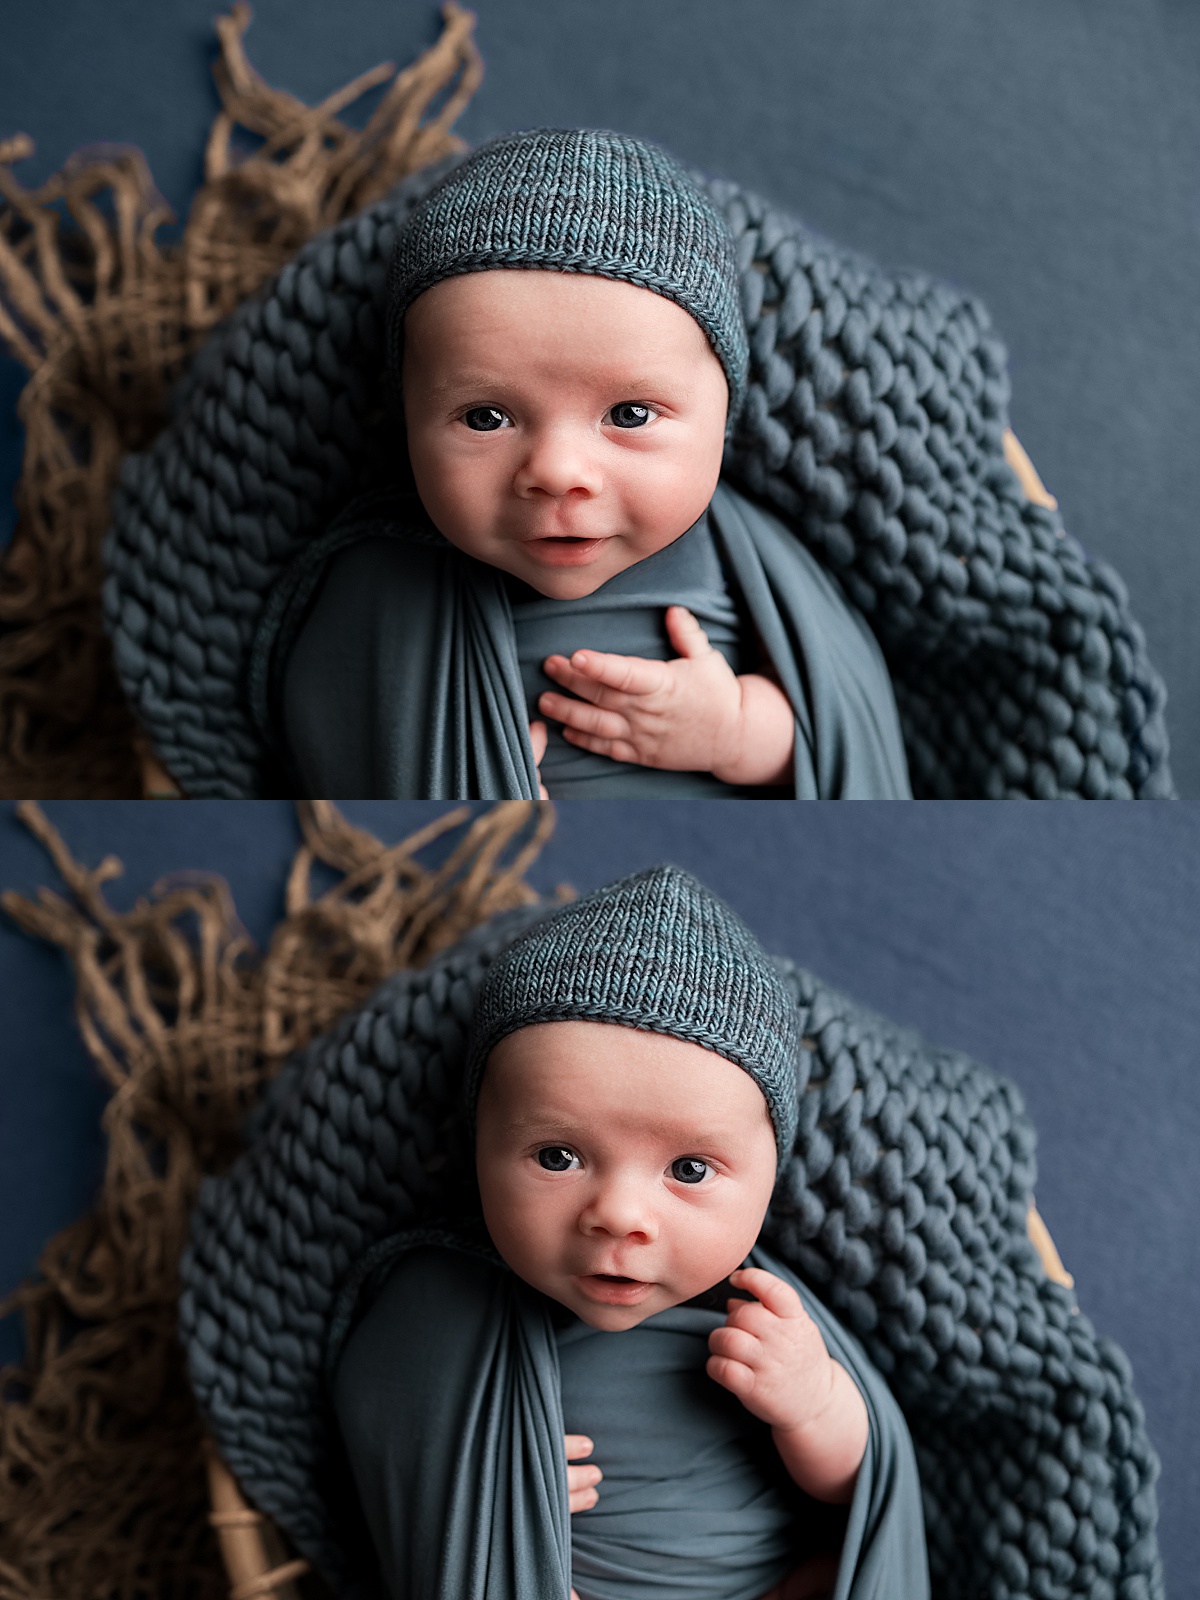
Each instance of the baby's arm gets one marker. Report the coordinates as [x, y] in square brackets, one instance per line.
[771, 1355]
[691, 714]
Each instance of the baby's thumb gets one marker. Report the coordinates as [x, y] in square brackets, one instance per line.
[685, 633]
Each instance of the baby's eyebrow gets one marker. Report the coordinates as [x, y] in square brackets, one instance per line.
[534, 1119]
[538, 1123]
[629, 388]
[466, 380]
[687, 1140]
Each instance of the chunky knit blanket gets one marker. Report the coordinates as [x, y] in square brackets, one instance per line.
[904, 1204]
[874, 421]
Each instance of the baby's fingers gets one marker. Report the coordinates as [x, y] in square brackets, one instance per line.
[581, 1481]
[589, 671]
[732, 1375]
[769, 1290]
[734, 1353]
[582, 717]
[582, 1493]
[735, 1343]
[685, 633]
[582, 1499]
[614, 749]
[537, 738]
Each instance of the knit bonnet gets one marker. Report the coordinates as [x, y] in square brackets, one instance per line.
[655, 951]
[577, 200]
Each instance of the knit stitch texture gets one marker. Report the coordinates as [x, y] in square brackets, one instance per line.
[873, 423]
[655, 951]
[578, 200]
[903, 1203]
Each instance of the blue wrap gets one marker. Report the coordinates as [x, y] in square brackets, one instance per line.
[454, 1388]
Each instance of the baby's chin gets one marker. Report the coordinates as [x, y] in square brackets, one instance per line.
[615, 1319]
[567, 569]
[572, 570]
[613, 1306]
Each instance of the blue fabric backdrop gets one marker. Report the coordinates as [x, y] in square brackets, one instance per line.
[1058, 945]
[1047, 157]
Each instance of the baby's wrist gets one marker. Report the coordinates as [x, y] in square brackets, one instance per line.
[807, 1426]
[823, 1451]
[760, 746]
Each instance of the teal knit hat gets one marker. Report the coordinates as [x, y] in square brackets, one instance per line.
[577, 200]
[655, 951]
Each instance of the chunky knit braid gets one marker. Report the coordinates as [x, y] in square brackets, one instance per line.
[873, 421]
[904, 1204]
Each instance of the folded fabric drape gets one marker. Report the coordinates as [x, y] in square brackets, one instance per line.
[455, 1385]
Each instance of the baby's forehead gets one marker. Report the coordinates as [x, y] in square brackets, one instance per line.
[467, 303]
[530, 332]
[632, 1076]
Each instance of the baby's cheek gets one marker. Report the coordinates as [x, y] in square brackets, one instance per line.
[658, 499]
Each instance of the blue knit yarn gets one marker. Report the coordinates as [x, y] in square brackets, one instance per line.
[578, 200]
[655, 951]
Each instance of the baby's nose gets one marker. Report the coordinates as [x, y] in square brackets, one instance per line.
[559, 463]
[622, 1210]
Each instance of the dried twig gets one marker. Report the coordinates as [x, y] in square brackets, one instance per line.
[102, 1478]
[106, 318]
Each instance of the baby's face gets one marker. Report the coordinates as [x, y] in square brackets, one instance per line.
[561, 426]
[621, 1172]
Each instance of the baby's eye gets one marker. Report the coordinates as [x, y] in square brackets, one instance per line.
[690, 1169]
[556, 1158]
[484, 419]
[630, 415]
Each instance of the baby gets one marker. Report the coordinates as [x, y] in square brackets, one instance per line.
[632, 1082]
[571, 586]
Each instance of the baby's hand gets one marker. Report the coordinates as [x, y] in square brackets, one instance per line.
[691, 714]
[771, 1355]
[581, 1481]
[537, 738]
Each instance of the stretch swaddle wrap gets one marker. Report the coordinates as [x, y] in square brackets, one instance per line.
[453, 1422]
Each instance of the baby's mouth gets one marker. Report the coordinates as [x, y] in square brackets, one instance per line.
[563, 549]
[613, 1289]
